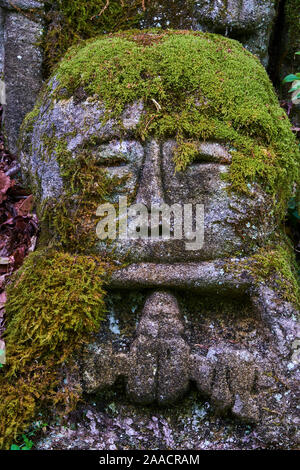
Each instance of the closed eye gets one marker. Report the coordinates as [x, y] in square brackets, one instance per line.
[112, 160]
[211, 152]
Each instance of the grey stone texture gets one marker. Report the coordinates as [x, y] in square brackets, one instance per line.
[21, 4]
[239, 351]
[236, 351]
[21, 64]
[201, 183]
[248, 21]
[170, 347]
[178, 319]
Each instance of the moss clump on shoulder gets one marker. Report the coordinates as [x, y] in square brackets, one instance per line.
[54, 304]
[273, 265]
[195, 86]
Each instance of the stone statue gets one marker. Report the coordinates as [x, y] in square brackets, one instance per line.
[203, 315]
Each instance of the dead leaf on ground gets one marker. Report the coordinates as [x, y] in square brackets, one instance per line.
[5, 184]
[25, 206]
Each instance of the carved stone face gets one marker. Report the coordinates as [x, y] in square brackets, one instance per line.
[198, 319]
[231, 224]
[195, 320]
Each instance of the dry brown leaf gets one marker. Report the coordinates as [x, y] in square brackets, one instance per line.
[5, 184]
[25, 206]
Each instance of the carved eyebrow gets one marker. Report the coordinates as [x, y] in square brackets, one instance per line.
[212, 152]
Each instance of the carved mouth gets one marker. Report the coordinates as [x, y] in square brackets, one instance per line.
[202, 277]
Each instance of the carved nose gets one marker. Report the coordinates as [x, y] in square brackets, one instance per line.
[159, 355]
[150, 190]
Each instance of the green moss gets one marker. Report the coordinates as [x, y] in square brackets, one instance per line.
[185, 153]
[55, 303]
[195, 86]
[31, 118]
[279, 265]
[274, 265]
[70, 21]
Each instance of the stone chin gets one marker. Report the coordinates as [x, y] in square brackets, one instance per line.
[191, 330]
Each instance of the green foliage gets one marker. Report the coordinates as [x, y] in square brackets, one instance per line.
[275, 266]
[295, 89]
[24, 442]
[55, 303]
[26, 445]
[195, 86]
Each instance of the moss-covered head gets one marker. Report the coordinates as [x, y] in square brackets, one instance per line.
[184, 86]
[195, 86]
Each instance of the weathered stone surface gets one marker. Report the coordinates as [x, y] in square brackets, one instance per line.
[159, 355]
[2, 19]
[203, 277]
[248, 21]
[22, 69]
[184, 340]
[76, 125]
[194, 426]
[241, 350]
[21, 4]
[156, 366]
[201, 183]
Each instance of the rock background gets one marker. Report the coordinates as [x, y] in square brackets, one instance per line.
[20, 61]
[248, 21]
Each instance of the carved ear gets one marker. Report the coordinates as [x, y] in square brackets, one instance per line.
[279, 316]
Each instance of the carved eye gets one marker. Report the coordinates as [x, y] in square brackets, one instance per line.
[111, 159]
[212, 152]
[120, 153]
